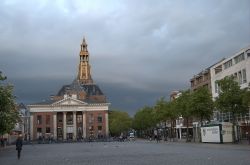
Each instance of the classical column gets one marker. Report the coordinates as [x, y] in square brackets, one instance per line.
[74, 125]
[107, 123]
[84, 124]
[31, 126]
[64, 125]
[55, 124]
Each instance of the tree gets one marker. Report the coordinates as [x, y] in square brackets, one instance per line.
[202, 104]
[8, 113]
[160, 110]
[166, 111]
[183, 105]
[144, 119]
[231, 99]
[246, 97]
[119, 122]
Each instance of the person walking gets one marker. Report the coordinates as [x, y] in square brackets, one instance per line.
[155, 134]
[19, 144]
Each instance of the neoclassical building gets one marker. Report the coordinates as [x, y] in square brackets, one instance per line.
[78, 110]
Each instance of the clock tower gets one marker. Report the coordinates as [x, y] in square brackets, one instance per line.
[84, 76]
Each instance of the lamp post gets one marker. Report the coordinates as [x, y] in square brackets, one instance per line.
[247, 131]
[181, 124]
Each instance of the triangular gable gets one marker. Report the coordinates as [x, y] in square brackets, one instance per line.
[69, 101]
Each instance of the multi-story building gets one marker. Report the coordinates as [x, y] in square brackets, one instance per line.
[237, 66]
[202, 79]
[79, 110]
[174, 95]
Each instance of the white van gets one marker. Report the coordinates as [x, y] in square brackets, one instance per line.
[131, 136]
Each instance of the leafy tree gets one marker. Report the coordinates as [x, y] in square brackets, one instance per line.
[119, 122]
[166, 111]
[231, 99]
[202, 104]
[144, 119]
[160, 110]
[173, 114]
[183, 105]
[246, 97]
[8, 113]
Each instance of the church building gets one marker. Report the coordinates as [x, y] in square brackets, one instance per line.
[79, 110]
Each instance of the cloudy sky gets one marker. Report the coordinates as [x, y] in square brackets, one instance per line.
[139, 50]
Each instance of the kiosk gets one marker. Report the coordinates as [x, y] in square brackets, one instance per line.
[217, 133]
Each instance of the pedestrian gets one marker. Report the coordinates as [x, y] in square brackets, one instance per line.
[2, 142]
[19, 144]
[155, 134]
[249, 139]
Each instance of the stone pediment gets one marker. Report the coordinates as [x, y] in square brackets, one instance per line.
[69, 101]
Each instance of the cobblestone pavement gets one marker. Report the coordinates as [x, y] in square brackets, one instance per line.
[128, 153]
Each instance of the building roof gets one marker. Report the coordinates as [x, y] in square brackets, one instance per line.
[89, 89]
[51, 101]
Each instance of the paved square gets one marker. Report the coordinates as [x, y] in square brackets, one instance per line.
[128, 153]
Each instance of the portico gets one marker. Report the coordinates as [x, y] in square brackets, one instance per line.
[69, 119]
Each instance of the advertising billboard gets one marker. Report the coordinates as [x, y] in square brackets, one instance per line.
[217, 133]
[210, 134]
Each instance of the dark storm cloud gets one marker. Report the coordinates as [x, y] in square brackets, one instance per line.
[140, 50]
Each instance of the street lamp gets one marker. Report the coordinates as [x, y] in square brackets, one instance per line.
[181, 124]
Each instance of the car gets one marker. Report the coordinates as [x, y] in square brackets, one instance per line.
[131, 136]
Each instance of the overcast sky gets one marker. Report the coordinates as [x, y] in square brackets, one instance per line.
[139, 50]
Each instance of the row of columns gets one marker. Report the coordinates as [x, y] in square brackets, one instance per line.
[65, 125]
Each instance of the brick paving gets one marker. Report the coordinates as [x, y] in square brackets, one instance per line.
[139, 152]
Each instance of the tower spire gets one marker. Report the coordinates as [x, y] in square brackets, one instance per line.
[84, 75]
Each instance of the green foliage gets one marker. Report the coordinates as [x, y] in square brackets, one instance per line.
[184, 107]
[202, 104]
[166, 110]
[144, 119]
[8, 113]
[231, 97]
[161, 109]
[119, 122]
[183, 104]
[246, 98]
